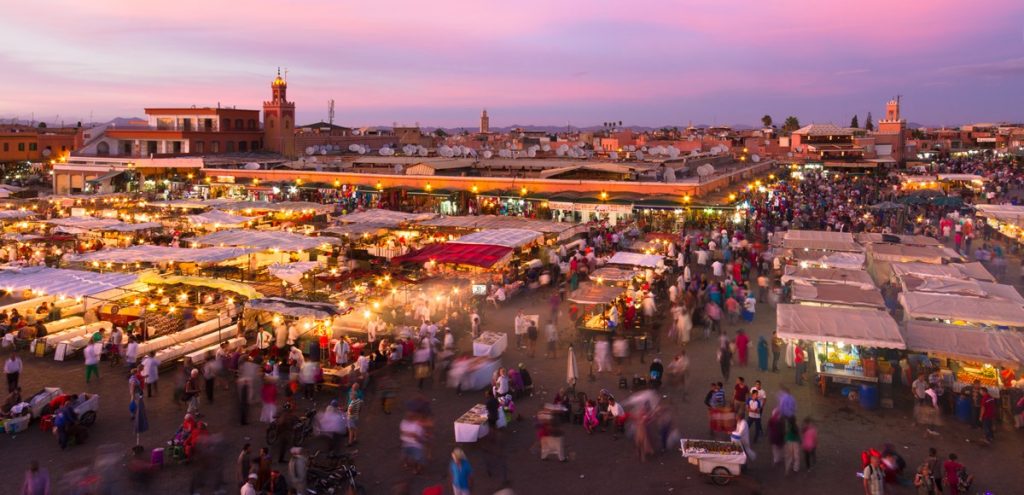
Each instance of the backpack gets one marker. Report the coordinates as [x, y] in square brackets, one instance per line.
[963, 480]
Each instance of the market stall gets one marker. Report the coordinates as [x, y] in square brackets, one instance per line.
[963, 354]
[986, 311]
[628, 258]
[490, 344]
[472, 425]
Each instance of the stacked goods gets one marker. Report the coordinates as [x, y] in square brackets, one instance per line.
[691, 447]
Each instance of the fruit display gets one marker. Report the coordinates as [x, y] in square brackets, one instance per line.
[691, 447]
[986, 380]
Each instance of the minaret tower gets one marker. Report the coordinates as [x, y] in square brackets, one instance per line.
[279, 119]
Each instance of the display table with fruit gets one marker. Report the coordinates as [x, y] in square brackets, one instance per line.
[719, 460]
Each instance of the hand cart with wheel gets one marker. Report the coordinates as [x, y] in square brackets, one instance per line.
[720, 461]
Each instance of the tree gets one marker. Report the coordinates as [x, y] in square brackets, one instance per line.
[440, 133]
[792, 123]
[42, 125]
[869, 124]
[766, 120]
[853, 123]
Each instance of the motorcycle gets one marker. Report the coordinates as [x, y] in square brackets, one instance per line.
[301, 430]
[338, 481]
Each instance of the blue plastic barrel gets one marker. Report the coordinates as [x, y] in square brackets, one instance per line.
[869, 397]
[963, 409]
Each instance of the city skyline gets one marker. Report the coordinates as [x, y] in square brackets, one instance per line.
[579, 63]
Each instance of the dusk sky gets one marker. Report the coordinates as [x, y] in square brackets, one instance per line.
[528, 62]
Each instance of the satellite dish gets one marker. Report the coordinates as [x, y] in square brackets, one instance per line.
[613, 155]
[488, 154]
[356, 132]
[755, 158]
[673, 151]
[46, 152]
[252, 166]
[361, 150]
[352, 147]
[546, 148]
[323, 151]
[422, 151]
[310, 150]
[639, 155]
[532, 153]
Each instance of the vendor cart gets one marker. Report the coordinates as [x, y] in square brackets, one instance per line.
[720, 461]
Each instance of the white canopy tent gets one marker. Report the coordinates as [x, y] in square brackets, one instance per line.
[985, 311]
[996, 347]
[69, 283]
[356, 229]
[564, 230]
[160, 254]
[15, 214]
[218, 218]
[906, 254]
[384, 217]
[828, 293]
[824, 259]
[821, 240]
[857, 326]
[513, 238]
[298, 309]
[806, 275]
[264, 240]
[301, 206]
[292, 272]
[100, 224]
[636, 259]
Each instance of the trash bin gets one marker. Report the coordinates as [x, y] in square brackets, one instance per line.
[963, 409]
[869, 397]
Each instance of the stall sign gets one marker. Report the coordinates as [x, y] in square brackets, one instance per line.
[479, 289]
[79, 212]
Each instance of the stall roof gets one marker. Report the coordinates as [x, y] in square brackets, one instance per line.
[906, 240]
[480, 255]
[263, 239]
[613, 274]
[997, 347]
[974, 270]
[298, 309]
[851, 261]
[56, 281]
[858, 326]
[384, 217]
[502, 222]
[356, 229]
[219, 217]
[513, 238]
[821, 240]
[15, 214]
[274, 206]
[985, 311]
[927, 270]
[590, 293]
[157, 254]
[830, 293]
[963, 177]
[855, 278]
[102, 224]
[240, 288]
[1003, 213]
[902, 253]
[636, 259]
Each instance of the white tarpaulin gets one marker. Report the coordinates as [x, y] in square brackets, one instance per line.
[821, 240]
[513, 238]
[158, 254]
[636, 259]
[831, 293]
[906, 240]
[384, 217]
[974, 270]
[942, 285]
[589, 293]
[298, 309]
[996, 347]
[855, 278]
[857, 326]
[850, 261]
[565, 230]
[263, 239]
[68, 283]
[906, 254]
[292, 272]
[927, 270]
[15, 214]
[300, 206]
[356, 229]
[962, 308]
[613, 274]
[102, 224]
[218, 218]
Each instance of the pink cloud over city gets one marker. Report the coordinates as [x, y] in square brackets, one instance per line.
[530, 62]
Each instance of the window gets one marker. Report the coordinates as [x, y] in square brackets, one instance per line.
[63, 147]
[127, 147]
[270, 123]
[7, 146]
[200, 147]
[33, 146]
[215, 147]
[230, 146]
[252, 123]
[239, 124]
[242, 146]
[254, 146]
[103, 149]
[21, 146]
[225, 125]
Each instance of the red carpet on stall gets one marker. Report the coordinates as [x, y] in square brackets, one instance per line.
[481, 255]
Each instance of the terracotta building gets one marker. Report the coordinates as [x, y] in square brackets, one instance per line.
[28, 143]
[279, 120]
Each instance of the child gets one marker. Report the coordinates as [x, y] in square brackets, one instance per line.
[590, 420]
[810, 443]
[924, 481]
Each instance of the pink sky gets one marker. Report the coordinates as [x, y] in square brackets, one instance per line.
[529, 62]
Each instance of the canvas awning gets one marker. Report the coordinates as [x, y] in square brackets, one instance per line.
[821, 240]
[384, 217]
[589, 293]
[985, 311]
[158, 254]
[280, 206]
[857, 326]
[68, 283]
[636, 259]
[564, 230]
[356, 229]
[239, 288]
[855, 278]
[613, 274]
[102, 224]
[298, 309]
[15, 214]
[902, 253]
[292, 272]
[218, 218]
[480, 255]
[513, 238]
[831, 293]
[264, 239]
[852, 261]
[995, 347]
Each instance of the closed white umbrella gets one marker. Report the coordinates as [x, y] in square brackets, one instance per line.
[572, 373]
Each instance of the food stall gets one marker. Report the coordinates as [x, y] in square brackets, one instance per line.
[472, 425]
[721, 461]
[490, 344]
[962, 354]
[846, 343]
[597, 298]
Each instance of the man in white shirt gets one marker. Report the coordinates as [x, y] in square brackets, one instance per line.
[702, 257]
[151, 372]
[716, 269]
[341, 350]
[615, 414]
[92, 354]
[521, 326]
[12, 367]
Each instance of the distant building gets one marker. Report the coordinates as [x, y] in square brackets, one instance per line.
[28, 143]
[485, 123]
[891, 136]
[279, 120]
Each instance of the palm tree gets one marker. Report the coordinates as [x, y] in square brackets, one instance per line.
[792, 123]
[766, 120]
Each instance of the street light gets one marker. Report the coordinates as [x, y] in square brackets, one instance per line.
[604, 196]
[428, 187]
[522, 191]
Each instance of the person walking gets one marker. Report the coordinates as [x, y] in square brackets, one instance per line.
[791, 450]
[211, 368]
[37, 480]
[874, 476]
[777, 345]
[988, 414]
[762, 354]
[462, 473]
[12, 368]
[298, 466]
[725, 358]
[753, 417]
[809, 442]
[92, 361]
[354, 408]
[742, 347]
[151, 372]
[800, 360]
[191, 395]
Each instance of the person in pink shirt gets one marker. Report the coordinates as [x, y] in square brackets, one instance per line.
[742, 346]
[809, 443]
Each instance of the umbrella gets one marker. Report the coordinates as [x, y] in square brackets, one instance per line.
[572, 373]
[946, 201]
[141, 423]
